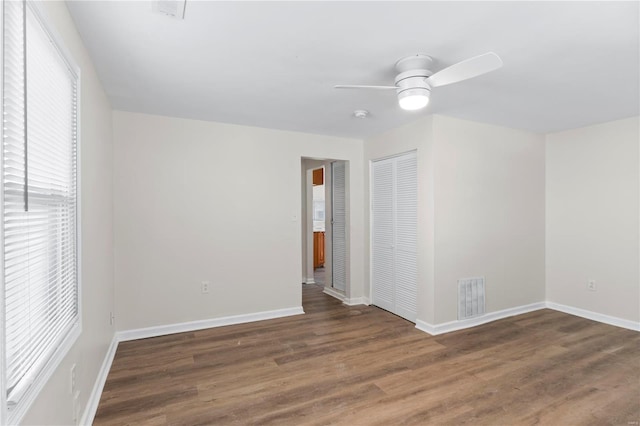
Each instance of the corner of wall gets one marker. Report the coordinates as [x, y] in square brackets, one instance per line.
[592, 226]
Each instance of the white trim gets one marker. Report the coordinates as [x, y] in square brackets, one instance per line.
[142, 333]
[162, 330]
[3, 393]
[96, 393]
[426, 327]
[42, 378]
[39, 10]
[448, 327]
[308, 222]
[354, 301]
[94, 399]
[334, 293]
[606, 319]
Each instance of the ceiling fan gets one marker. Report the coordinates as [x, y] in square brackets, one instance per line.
[415, 80]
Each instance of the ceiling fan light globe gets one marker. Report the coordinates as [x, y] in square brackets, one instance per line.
[411, 100]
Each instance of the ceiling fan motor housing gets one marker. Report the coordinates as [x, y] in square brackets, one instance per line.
[414, 79]
[413, 73]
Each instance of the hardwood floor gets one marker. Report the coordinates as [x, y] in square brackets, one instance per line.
[362, 365]
[319, 275]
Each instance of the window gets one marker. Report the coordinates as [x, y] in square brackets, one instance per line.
[40, 284]
[318, 210]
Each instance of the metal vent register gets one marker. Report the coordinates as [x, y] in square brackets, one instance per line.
[470, 297]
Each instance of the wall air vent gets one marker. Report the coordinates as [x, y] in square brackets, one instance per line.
[470, 297]
[172, 8]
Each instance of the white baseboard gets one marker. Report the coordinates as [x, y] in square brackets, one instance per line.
[426, 327]
[162, 330]
[334, 293]
[94, 399]
[618, 322]
[448, 327]
[309, 281]
[142, 333]
[493, 316]
[354, 301]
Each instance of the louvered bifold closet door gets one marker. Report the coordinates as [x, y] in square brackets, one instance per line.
[394, 208]
[406, 241]
[382, 258]
[339, 225]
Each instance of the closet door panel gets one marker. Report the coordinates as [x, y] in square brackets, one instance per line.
[339, 222]
[382, 244]
[406, 236]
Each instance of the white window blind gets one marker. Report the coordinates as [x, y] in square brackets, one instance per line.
[39, 172]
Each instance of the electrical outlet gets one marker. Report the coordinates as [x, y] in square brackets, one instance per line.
[72, 379]
[112, 318]
[205, 287]
[591, 285]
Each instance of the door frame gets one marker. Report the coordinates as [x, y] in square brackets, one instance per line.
[307, 225]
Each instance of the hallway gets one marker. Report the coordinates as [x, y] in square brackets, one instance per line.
[319, 275]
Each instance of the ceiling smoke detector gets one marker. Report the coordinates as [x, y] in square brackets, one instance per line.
[172, 8]
[361, 113]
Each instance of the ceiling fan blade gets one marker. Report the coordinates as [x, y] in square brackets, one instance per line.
[351, 86]
[466, 69]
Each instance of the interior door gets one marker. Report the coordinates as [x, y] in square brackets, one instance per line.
[394, 206]
[338, 225]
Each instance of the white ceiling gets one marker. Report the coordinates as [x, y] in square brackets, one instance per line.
[274, 64]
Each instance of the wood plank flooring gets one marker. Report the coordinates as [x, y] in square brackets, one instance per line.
[364, 366]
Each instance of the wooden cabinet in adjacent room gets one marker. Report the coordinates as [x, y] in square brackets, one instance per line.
[318, 177]
[318, 249]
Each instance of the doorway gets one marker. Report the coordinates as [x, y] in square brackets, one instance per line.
[325, 225]
[319, 222]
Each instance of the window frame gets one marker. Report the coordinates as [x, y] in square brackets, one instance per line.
[55, 359]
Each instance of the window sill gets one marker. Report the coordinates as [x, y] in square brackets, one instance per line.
[17, 413]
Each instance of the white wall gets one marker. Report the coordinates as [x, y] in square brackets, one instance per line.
[592, 213]
[54, 405]
[481, 210]
[489, 214]
[191, 205]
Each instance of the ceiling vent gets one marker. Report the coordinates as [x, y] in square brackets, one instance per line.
[173, 8]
